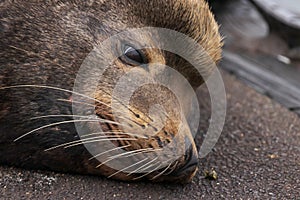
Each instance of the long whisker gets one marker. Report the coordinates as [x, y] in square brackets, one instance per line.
[85, 117]
[174, 167]
[63, 122]
[138, 169]
[54, 88]
[134, 152]
[80, 141]
[120, 155]
[116, 132]
[53, 116]
[92, 117]
[101, 133]
[149, 166]
[114, 149]
[159, 165]
[161, 173]
[91, 105]
[128, 119]
[120, 116]
[102, 140]
[127, 167]
[103, 163]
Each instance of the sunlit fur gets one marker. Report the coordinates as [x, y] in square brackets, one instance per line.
[43, 44]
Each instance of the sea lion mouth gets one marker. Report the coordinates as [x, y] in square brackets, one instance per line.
[191, 163]
[181, 169]
[146, 149]
[181, 173]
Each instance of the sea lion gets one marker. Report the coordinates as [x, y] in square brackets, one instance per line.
[42, 46]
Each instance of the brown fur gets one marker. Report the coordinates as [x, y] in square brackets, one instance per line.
[45, 42]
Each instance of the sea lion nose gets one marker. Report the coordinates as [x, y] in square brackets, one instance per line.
[192, 161]
[189, 169]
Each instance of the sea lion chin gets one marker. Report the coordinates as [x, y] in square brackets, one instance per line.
[42, 47]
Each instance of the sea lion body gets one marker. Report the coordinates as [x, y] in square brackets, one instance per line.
[44, 43]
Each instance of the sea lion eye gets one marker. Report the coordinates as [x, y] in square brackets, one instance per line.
[133, 56]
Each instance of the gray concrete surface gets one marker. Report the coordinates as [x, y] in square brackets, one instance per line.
[257, 157]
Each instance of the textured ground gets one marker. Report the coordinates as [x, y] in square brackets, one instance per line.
[257, 157]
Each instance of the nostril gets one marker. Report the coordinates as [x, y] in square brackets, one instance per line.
[191, 162]
[192, 159]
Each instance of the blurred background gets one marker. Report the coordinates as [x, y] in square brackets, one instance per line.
[262, 45]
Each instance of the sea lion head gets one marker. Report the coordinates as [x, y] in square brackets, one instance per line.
[54, 46]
